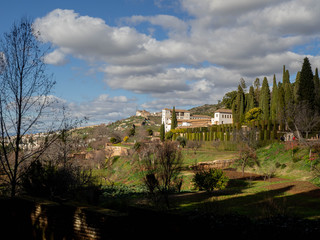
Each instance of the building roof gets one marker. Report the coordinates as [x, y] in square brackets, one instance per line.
[201, 116]
[223, 110]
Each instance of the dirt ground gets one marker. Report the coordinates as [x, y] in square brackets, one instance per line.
[297, 187]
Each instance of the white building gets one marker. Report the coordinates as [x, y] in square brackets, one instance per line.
[222, 116]
[166, 117]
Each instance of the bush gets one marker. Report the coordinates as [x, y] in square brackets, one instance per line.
[53, 181]
[182, 141]
[210, 180]
[114, 140]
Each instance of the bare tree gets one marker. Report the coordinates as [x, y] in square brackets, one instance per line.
[24, 98]
[161, 164]
[302, 119]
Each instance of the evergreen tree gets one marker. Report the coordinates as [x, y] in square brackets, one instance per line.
[250, 99]
[281, 104]
[285, 75]
[257, 90]
[238, 107]
[316, 82]
[162, 133]
[274, 100]
[174, 122]
[287, 87]
[295, 88]
[264, 103]
[306, 84]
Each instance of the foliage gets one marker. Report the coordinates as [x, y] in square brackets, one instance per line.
[210, 180]
[114, 140]
[52, 181]
[169, 135]
[253, 115]
[174, 122]
[228, 99]
[264, 103]
[150, 131]
[182, 141]
[305, 88]
[162, 133]
[132, 132]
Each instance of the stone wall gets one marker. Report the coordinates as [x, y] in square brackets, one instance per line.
[219, 164]
[30, 219]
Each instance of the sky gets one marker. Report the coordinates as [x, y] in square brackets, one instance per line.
[113, 57]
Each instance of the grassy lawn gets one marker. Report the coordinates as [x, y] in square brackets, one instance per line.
[253, 197]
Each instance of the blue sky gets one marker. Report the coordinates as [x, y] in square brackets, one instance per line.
[110, 58]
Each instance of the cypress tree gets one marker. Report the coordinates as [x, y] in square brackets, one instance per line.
[174, 122]
[238, 107]
[257, 90]
[281, 104]
[274, 99]
[295, 88]
[162, 133]
[265, 99]
[306, 84]
[251, 101]
[316, 82]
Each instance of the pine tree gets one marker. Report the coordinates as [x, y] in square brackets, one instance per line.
[306, 84]
[174, 122]
[274, 100]
[265, 100]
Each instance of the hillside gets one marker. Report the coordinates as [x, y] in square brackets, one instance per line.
[206, 109]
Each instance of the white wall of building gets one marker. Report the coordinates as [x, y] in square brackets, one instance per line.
[222, 118]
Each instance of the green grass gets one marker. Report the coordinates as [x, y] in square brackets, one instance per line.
[249, 197]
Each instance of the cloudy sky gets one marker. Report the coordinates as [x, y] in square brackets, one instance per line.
[112, 57]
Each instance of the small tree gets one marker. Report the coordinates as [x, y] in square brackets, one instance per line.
[247, 157]
[161, 165]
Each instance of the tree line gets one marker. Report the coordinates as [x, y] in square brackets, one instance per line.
[261, 102]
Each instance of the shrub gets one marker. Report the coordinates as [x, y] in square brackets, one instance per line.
[114, 140]
[182, 141]
[210, 180]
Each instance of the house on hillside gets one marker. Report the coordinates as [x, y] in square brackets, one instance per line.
[166, 117]
[142, 113]
[184, 119]
[222, 116]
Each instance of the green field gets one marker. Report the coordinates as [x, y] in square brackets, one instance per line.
[250, 196]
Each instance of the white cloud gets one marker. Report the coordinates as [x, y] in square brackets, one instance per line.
[104, 108]
[200, 58]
